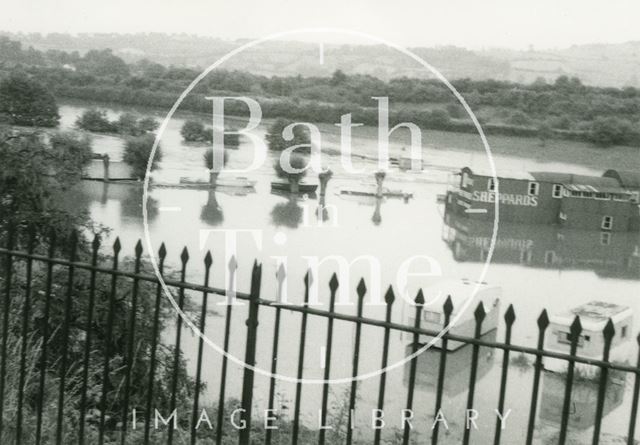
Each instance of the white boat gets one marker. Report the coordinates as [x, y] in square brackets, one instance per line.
[593, 318]
[465, 296]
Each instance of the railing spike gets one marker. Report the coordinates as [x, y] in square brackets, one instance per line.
[389, 296]
[609, 330]
[480, 312]
[448, 306]
[510, 315]
[184, 256]
[543, 319]
[138, 249]
[576, 326]
[333, 282]
[162, 253]
[95, 244]
[419, 300]
[208, 260]
[117, 246]
[361, 289]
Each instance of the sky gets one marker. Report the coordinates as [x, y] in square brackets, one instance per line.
[471, 23]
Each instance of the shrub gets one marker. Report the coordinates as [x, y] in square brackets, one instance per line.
[137, 151]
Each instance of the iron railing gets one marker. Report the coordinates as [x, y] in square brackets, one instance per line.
[23, 261]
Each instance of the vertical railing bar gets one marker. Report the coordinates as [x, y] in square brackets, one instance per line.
[162, 253]
[95, 245]
[543, 322]
[389, 298]
[274, 369]
[575, 330]
[479, 315]
[509, 318]
[130, 342]
[184, 258]
[230, 293]
[333, 286]
[419, 301]
[203, 318]
[45, 337]
[280, 276]
[447, 310]
[250, 355]
[634, 403]
[65, 339]
[308, 279]
[25, 335]
[107, 343]
[608, 333]
[362, 290]
[5, 324]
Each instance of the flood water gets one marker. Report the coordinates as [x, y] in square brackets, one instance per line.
[580, 268]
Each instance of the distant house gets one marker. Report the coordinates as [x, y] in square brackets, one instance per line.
[574, 201]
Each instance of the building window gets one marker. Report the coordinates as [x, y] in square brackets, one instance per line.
[491, 184]
[601, 195]
[533, 188]
[605, 238]
[607, 222]
[432, 316]
[467, 181]
[557, 191]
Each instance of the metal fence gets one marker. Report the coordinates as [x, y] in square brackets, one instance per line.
[18, 264]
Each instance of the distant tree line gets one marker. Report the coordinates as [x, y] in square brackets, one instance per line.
[564, 109]
[195, 131]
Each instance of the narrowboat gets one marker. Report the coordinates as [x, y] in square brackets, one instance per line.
[371, 190]
[222, 181]
[465, 296]
[303, 187]
[593, 318]
[584, 202]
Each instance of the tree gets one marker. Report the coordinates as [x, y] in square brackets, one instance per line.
[137, 151]
[208, 162]
[26, 102]
[148, 125]
[95, 120]
[611, 131]
[34, 175]
[192, 131]
[293, 175]
[276, 141]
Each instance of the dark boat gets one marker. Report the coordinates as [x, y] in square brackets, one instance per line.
[286, 187]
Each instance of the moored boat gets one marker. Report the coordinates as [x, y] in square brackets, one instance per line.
[303, 187]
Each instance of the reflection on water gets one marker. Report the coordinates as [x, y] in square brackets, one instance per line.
[211, 212]
[614, 255]
[584, 395]
[288, 213]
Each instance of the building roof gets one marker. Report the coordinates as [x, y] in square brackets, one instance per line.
[594, 314]
[570, 178]
[460, 291]
[502, 174]
[626, 178]
[592, 189]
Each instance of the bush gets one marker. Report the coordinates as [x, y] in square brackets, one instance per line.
[95, 120]
[276, 141]
[137, 151]
[26, 102]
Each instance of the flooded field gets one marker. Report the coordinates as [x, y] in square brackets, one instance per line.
[536, 267]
